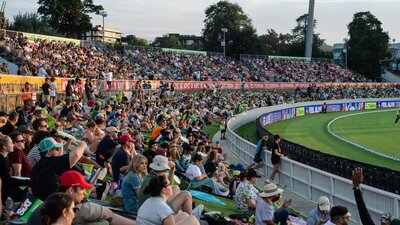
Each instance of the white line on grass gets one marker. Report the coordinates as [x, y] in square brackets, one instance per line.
[373, 151]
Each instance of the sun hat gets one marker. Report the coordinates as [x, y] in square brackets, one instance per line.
[160, 163]
[73, 178]
[270, 190]
[324, 204]
[48, 144]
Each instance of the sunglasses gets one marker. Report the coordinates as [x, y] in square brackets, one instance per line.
[75, 209]
[20, 141]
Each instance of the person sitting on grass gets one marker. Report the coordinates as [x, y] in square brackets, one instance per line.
[155, 209]
[265, 212]
[198, 179]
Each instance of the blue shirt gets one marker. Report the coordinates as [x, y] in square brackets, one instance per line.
[105, 149]
[129, 196]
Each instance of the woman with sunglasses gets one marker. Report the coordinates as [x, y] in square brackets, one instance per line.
[10, 186]
[58, 209]
[155, 210]
[19, 162]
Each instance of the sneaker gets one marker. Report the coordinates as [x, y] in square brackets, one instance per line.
[268, 181]
[197, 211]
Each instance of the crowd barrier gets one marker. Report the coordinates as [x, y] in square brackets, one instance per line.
[15, 83]
[309, 181]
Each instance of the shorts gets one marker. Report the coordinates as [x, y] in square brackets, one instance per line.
[275, 161]
[169, 203]
[91, 212]
[257, 159]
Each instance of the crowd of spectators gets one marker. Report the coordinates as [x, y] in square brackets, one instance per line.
[60, 59]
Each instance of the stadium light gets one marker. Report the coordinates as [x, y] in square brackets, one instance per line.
[310, 29]
[345, 51]
[224, 30]
[103, 14]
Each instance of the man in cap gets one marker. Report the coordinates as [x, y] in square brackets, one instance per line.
[234, 183]
[339, 216]
[320, 214]
[246, 193]
[52, 164]
[265, 212]
[122, 157]
[74, 184]
[27, 134]
[180, 199]
[107, 146]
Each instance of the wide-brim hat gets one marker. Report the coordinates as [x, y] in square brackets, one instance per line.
[160, 163]
[270, 190]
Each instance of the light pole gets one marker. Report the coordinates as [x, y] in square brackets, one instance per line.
[224, 30]
[345, 51]
[103, 14]
[310, 29]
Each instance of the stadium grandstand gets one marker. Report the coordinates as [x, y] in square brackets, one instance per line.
[126, 143]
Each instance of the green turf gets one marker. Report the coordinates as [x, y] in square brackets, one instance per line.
[311, 131]
[228, 209]
[211, 130]
[248, 132]
[373, 130]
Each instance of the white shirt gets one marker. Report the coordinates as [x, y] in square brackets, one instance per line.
[193, 171]
[109, 76]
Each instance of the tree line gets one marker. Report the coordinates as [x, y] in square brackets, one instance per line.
[367, 43]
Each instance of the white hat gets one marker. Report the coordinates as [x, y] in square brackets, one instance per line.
[160, 163]
[270, 190]
[111, 129]
[324, 204]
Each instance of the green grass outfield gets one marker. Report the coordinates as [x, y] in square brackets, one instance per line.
[375, 130]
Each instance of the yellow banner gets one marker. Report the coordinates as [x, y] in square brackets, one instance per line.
[14, 84]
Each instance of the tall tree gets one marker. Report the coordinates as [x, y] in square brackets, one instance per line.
[31, 23]
[241, 36]
[272, 43]
[167, 41]
[368, 44]
[297, 44]
[69, 17]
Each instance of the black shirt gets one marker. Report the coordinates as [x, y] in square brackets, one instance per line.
[105, 150]
[275, 149]
[119, 159]
[8, 183]
[46, 88]
[45, 175]
[149, 154]
[7, 129]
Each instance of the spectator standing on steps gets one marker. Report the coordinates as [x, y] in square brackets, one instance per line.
[277, 153]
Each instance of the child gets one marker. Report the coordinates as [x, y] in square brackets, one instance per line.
[234, 183]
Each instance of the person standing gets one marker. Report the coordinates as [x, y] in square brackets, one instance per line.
[259, 155]
[339, 216]
[53, 91]
[46, 90]
[397, 116]
[275, 157]
[27, 96]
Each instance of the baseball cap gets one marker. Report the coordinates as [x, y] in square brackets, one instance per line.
[38, 108]
[73, 179]
[236, 173]
[126, 137]
[324, 204]
[48, 144]
[111, 129]
[160, 163]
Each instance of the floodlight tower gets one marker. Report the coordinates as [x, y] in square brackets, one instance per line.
[223, 43]
[103, 14]
[310, 29]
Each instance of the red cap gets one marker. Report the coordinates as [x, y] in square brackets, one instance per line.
[126, 137]
[90, 103]
[73, 179]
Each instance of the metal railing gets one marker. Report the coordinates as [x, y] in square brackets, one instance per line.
[307, 181]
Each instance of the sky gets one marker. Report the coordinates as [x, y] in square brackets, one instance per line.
[152, 18]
